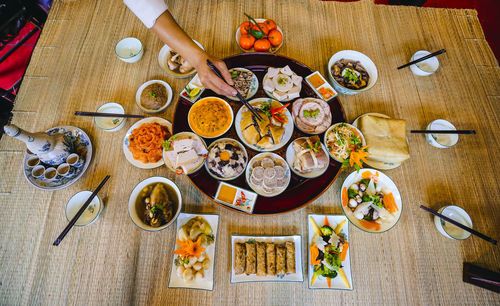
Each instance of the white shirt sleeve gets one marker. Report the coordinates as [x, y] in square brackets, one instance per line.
[147, 10]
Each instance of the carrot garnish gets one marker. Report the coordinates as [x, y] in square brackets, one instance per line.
[358, 157]
[329, 282]
[314, 255]
[345, 198]
[370, 224]
[190, 248]
[343, 254]
[390, 203]
[326, 221]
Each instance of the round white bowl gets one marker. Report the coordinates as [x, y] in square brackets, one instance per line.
[132, 212]
[441, 124]
[162, 61]
[110, 107]
[234, 142]
[129, 50]
[424, 68]
[75, 203]
[143, 86]
[455, 213]
[225, 103]
[364, 60]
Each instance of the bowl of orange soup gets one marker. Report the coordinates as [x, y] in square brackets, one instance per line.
[210, 117]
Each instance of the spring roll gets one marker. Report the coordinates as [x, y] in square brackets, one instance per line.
[271, 259]
[239, 258]
[251, 258]
[290, 257]
[280, 260]
[261, 259]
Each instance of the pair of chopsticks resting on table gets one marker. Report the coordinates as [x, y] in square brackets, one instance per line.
[80, 212]
[470, 132]
[238, 94]
[423, 58]
[465, 228]
[94, 114]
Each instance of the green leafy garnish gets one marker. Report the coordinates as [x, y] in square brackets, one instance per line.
[115, 121]
[307, 114]
[234, 73]
[314, 113]
[351, 193]
[181, 261]
[266, 108]
[351, 75]
[167, 144]
[282, 81]
[154, 209]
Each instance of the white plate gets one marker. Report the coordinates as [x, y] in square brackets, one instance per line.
[249, 169]
[259, 20]
[284, 139]
[243, 278]
[141, 88]
[290, 158]
[83, 147]
[385, 182]
[128, 154]
[254, 85]
[207, 283]
[162, 61]
[337, 282]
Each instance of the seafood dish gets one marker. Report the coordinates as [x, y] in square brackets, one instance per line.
[245, 81]
[146, 142]
[341, 139]
[210, 117]
[282, 84]
[350, 74]
[311, 115]
[318, 83]
[226, 159]
[268, 174]
[329, 258]
[371, 201]
[194, 253]
[184, 153]
[307, 156]
[268, 134]
[154, 96]
[157, 204]
[266, 258]
[236, 197]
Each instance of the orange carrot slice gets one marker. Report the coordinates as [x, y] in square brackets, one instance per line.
[367, 175]
[329, 282]
[314, 255]
[343, 254]
[326, 221]
[370, 224]
[390, 203]
[345, 198]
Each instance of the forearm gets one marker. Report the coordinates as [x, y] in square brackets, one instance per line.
[167, 29]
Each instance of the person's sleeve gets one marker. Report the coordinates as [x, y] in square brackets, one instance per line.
[147, 10]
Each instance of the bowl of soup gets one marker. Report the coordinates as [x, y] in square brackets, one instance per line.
[154, 204]
[210, 117]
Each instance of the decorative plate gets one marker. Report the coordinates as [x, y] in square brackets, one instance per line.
[128, 154]
[81, 145]
[254, 85]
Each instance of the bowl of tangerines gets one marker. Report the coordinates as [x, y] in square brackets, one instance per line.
[259, 35]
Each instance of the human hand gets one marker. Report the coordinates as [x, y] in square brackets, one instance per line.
[211, 81]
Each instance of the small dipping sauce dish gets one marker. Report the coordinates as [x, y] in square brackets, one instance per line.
[424, 68]
[442, 141]
[92, 212]
[449, 230]
[129, 50]
[110, 124]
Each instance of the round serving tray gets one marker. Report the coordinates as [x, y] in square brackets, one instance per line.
[300, 191]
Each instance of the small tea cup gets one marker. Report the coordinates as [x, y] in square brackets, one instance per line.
[50, 174]
[74, 160]
[32, 161]
[38, 171]
[64, 170]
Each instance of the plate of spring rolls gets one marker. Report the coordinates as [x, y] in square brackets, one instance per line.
[266, 259]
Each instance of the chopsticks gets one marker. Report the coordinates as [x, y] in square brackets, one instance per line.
[443, 131]
[94, 114]
[423, 58]
[238, 94]
[465, 228]
[80, 212]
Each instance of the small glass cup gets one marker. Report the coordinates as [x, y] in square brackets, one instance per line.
[449, 230]
[442, 141]
[90, 215]
[110, 124]
[129, 50]
[424, 68]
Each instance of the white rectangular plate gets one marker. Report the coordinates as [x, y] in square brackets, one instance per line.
[247, 206]
[207, 283]
[337, 282]
[297, 277]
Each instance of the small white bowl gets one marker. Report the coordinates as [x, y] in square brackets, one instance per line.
[132, 211]
[129, 50]
[220, 100]
[364, 60]
[92, 212]
[114, 108]
[234, 143]
[439, 141]
[449, 230]
[424, 68]
[162, 61]
[143, 86]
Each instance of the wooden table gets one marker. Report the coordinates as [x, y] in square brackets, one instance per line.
[74, 68]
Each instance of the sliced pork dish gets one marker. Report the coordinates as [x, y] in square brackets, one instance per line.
[311, 115]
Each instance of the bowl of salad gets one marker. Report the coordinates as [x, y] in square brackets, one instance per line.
[371, 201]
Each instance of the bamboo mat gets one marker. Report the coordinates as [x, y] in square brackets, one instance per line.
[112, 262]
